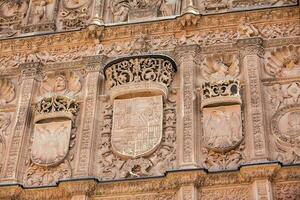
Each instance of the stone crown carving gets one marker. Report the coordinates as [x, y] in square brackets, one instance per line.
[221, 92]
[55, 107]
[146, 74]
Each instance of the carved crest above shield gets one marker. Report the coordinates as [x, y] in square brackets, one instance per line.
[52, 130]
[138, 86]
[137, 127]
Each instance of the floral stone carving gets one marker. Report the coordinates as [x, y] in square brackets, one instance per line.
[51, 139]
[7, 91]
[222, 125]
[136, 74]
[284, 61]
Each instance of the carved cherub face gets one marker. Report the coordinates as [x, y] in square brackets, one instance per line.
[43, 3]
[60, 84]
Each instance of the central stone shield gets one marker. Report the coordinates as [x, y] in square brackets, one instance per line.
[51, 142]
[137, 126]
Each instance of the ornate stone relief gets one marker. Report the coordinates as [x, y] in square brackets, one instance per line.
[7, 91]
[4, 124]
[124, 10]
[64, 83]
[138, 133]
[237, 193]
[41, 16]
[74, 13]
[52, 140]
[222, 147]
[284, 103]
[213, 6]
[12, 12]
[283, 61]
[287, 190]
[220, 67]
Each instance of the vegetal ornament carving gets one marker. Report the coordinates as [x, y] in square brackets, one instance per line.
[75, 13]
[286, 129]
[220, 67]
[66, 84]
[7, 91]
[283, 61]
[136, 74]
[44, 176]
[216, 93]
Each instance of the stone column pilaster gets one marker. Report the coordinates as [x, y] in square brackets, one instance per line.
[262, 190]
[187, 110]
[98, 12]
[19, 133]
[251, 52]
[188, 192]
[86, 134]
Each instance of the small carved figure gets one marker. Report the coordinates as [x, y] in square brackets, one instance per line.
[119, 9]
[247, 30]
[40, 12]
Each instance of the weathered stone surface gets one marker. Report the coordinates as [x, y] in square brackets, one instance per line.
[140, 99]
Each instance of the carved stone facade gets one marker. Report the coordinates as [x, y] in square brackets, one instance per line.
[140, 99]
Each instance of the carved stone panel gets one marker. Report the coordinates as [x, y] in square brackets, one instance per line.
[50, 142]
[137, 126]
[7, 91]
[11, 15]
[74, 13]
[222, 127]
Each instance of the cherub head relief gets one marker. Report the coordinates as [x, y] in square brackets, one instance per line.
[220, 67]
[65, 83]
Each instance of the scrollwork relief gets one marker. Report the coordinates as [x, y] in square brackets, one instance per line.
[74, 13]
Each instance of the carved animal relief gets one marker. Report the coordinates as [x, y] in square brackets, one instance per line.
[222, 125]
[51, 140]
[220, 67]
[138, 136]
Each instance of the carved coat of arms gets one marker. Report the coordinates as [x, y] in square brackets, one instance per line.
[137, 126]
[52, 130]
[222, 127]
[51, 142]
